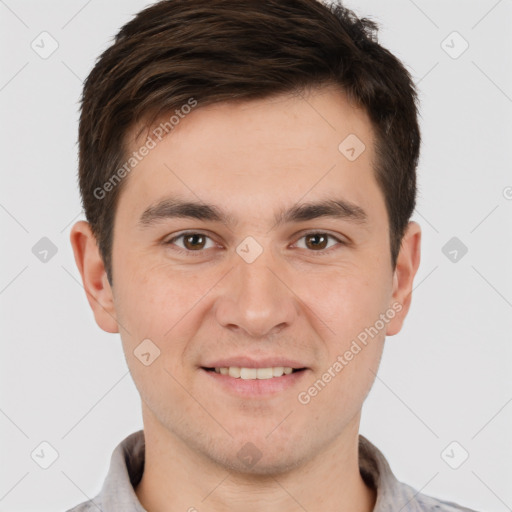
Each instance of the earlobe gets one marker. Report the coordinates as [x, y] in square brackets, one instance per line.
[407, 265]
[94, 277]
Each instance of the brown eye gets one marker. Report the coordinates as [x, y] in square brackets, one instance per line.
[316, 241]
[194, 241]
[191, 242]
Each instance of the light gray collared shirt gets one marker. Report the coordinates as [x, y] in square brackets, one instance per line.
[127, 466]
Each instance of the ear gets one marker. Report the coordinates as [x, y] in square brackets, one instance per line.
[94, 277]
[407, 265]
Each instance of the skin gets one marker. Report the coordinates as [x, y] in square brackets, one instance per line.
[252, 159]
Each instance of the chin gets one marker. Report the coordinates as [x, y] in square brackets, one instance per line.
[265, 466]
[260, 454]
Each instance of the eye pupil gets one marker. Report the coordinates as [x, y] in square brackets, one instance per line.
[321, 245]
[187, 239]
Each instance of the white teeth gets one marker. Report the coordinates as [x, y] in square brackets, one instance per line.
[254, 373]
[264, 373]
[248, 373]
[278, 371]
[234, 371]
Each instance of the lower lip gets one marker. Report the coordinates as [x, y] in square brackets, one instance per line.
[251, 388]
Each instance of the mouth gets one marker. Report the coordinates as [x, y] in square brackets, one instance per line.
[254, 383]
[243, 373]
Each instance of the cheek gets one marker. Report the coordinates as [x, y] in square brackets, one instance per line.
[154, 300]
[165, 306]
[348, 309]
[345, 378]
[345, 301]
[343, 388]
[157, 305]
[351, 305]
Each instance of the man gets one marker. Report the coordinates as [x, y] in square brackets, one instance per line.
[247, 170]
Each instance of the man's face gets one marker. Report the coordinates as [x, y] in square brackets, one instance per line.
[245, 291]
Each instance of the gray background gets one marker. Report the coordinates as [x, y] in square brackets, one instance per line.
[444, 378]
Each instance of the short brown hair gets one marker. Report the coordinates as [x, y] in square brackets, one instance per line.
[222, 50]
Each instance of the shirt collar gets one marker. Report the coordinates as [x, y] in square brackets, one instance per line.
[125, 472]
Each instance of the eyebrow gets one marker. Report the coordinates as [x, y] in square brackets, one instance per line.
[172, 207]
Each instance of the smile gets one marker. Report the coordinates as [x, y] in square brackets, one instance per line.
[253, 383]
[254, 373]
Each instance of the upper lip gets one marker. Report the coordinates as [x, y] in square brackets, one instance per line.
[249, 362]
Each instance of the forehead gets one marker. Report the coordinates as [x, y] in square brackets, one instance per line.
[285, 146]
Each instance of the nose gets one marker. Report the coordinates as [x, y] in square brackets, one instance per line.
[256, 299]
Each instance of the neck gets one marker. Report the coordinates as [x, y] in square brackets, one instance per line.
[177, 477]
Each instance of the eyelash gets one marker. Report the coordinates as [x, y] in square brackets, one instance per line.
[200, 252]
